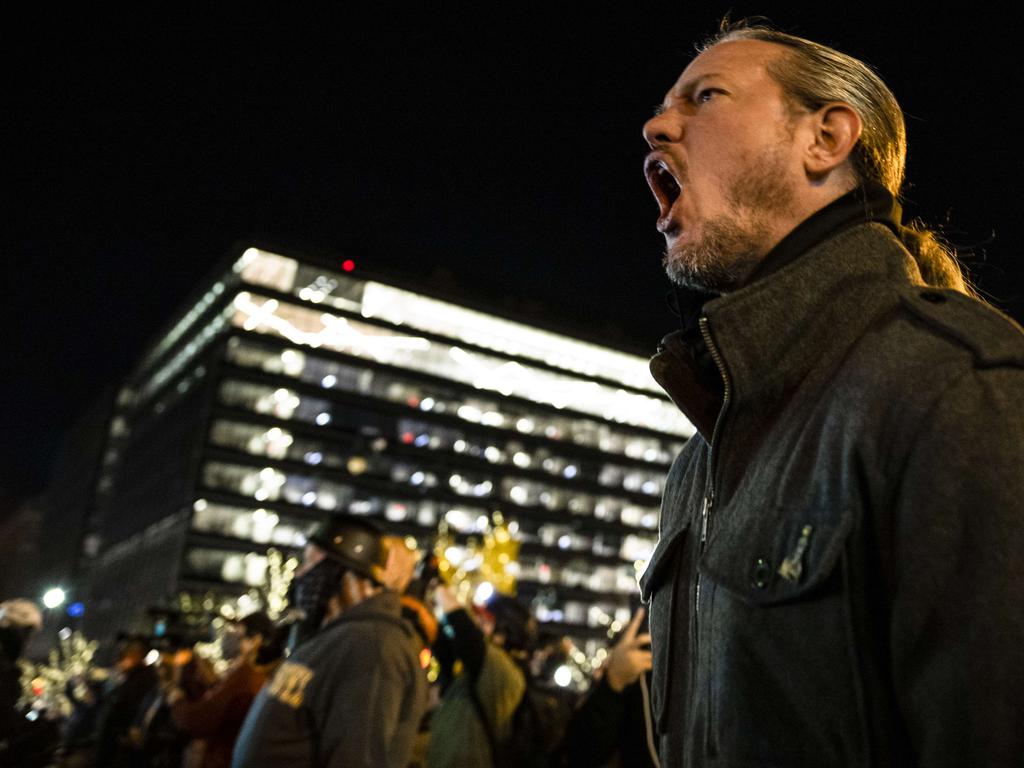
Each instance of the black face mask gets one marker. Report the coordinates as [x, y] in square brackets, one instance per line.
[310, 593]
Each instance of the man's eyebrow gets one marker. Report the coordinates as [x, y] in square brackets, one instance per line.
[686, 90]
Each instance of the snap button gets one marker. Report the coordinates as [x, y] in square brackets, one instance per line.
[933, 296]
[762, 573]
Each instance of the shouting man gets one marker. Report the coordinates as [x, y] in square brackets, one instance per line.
[838, 579]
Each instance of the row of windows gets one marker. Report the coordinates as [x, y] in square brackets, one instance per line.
[172, 367]
[476, 408]
[266, 526]
[309, 327]
[184, 324]
[400, 307]
[272, 483]
[358, 452]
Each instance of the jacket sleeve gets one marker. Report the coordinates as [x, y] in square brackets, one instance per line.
[957, 624]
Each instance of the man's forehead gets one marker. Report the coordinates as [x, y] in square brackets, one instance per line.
[744, 60]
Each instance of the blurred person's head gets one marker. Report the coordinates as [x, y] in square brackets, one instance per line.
[131, 653]
[549, 652]
[511, 626]
[19, 619]
[259, 637]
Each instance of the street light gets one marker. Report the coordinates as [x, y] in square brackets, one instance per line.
[54, 597]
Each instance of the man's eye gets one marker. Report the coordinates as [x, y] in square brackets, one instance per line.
[704, 95]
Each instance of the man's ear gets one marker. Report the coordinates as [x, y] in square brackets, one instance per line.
[835, 130]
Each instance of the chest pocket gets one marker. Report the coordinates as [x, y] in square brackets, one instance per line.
[775, 635]
[772, 558]
[662, 557]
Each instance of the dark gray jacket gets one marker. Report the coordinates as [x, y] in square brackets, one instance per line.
[352, 696]
[839, 579]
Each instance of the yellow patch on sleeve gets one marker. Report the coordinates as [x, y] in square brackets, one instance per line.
[289, 683]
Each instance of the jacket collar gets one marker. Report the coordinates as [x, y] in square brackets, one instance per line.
[807, 301]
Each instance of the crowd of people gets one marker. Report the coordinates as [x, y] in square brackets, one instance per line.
[343, 681]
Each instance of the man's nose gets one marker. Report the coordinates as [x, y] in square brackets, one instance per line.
[663, 128]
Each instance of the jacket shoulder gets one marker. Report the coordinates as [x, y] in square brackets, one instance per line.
[992, 338]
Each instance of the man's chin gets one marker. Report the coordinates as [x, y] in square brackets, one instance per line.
[720, 263]
[684, 270]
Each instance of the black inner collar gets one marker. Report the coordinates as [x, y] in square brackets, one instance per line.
[868, 202]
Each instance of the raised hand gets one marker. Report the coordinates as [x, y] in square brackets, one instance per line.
[630, 657]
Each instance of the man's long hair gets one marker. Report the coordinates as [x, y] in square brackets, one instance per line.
[812, 75]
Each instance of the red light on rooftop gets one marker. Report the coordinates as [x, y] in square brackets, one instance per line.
[348, 265]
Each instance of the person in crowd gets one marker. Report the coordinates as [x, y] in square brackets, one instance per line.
[154, 739]
[838, 578]
[24, 742]
[255, 647]
[194, 677]
[353, 694]
[478, 703]
[306, 603]
[78, 734]
[489, 714]
[612, 726]
[132, 682]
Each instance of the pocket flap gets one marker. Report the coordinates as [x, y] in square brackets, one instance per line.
[661, 557]
[767, 558]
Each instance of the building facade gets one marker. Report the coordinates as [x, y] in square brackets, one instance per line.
[288, 389]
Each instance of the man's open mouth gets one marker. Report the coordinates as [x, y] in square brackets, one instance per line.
[665, 186]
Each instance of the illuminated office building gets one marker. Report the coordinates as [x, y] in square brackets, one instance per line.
[287, 391]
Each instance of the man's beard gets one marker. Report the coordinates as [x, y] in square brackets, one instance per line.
[734, 243]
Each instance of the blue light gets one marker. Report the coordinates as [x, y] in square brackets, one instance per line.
[76, 609]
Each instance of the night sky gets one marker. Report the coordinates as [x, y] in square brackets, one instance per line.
[500, 150]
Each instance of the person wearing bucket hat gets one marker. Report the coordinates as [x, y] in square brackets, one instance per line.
[352, 692]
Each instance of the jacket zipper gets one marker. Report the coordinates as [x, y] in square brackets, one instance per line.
[709, 496]
[706, 508]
